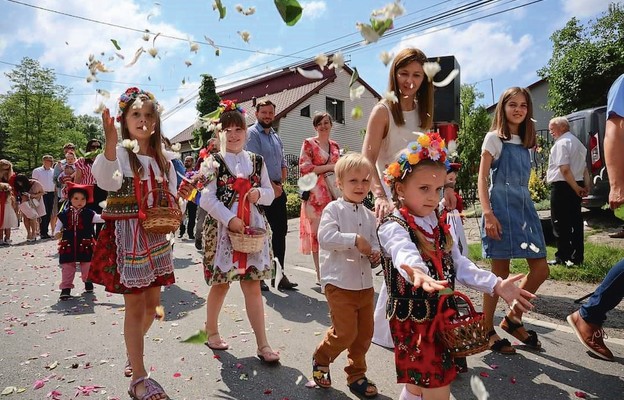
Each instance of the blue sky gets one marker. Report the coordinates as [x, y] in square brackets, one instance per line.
[494, 52]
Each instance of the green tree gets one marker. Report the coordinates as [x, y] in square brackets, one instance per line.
[35, 114]
[475, 123]
[586, 59]
[207, 103]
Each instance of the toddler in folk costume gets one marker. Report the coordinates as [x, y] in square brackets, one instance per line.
[238, 183]
[127, 259]
[74, 228]
[420, 259]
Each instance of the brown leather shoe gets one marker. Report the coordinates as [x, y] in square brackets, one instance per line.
[590, 335]
[286, 284]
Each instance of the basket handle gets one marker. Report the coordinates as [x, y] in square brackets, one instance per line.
[166, 192]
[441, 316]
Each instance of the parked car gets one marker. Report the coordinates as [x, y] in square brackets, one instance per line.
[589, 127]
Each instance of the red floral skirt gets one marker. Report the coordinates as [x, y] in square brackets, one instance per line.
[420, 360]
[104, 270]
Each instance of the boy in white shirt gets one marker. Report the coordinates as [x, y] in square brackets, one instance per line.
[348, 248]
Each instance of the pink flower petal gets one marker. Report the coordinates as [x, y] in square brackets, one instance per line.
[38, 384]
[512, 380]
[493, 366]
[177, 375]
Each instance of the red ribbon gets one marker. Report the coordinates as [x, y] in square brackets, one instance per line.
[242, 187]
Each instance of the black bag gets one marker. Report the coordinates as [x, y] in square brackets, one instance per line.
[305, 195]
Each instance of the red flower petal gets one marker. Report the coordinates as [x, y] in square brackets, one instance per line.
[268, 391]
[177, 375]
[484, 374]
[580, 394]
[512, 380]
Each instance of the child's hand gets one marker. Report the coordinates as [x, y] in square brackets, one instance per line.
[493, 228]
[58, 235]
[420, 279]
[253, 195]
[363, 246]
[185, 190]
[236, 225]
[518, 299]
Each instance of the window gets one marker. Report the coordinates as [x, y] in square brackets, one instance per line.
[335, 108]
[305, 111]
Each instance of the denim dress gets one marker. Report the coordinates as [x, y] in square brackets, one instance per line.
[511, 203]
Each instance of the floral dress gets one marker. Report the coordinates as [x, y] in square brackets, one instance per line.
[221, 200]
[312, 155]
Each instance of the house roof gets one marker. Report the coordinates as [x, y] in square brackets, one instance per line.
[286, 88]
[533, 85]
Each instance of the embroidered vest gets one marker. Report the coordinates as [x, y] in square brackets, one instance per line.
[122, 204]
[225, 178]
[404, 300]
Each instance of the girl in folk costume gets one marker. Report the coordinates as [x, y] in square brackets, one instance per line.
[419, 259]
[8, 202]
[241, 183]
[127, 259]
[8, 213]
[74, 228]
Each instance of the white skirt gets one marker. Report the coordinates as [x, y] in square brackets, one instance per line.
[381, 333]
[10, 218]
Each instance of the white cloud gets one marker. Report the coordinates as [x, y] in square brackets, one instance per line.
[241, 69]
[584, 8]
[478, 58]
[313, 9]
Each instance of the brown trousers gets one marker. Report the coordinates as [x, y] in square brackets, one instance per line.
[351, 313]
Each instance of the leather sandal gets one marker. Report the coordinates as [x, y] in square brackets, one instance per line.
[152, 388]
[364, 387]
[502, 346]
[511, 327]
[320, 376]
[267, 355]
[218, 344]
[128, 369]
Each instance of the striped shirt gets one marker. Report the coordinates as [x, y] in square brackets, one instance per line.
[85, 170]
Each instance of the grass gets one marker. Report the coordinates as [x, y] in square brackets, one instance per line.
[598, 261]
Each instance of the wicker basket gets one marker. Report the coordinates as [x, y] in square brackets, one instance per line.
[464, 335]
[160, 219]
[252, 241]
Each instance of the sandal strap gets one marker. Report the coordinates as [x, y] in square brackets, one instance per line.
[511, 325]
[499, 344]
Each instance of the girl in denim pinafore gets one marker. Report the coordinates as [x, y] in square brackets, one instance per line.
[522, 235]
[510, 226]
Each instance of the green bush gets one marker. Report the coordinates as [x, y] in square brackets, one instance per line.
[293, 205]
[537, 187]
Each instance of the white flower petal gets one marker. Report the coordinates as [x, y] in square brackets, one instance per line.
[569, 263]
[310, 74]
[431, 69]
[386, 57]
[117, 176]
[367, 32]
[448, 79]
[523, 246]
[534, 248]
[100, 108]
[102, 203]
[307, 181]
[356, 92]
[152, 51]
[245, 36]
[478, 388]
[136, 149]
[452, 146]
[391, 97]
[321, 60]
[176, 147]
[337, 61]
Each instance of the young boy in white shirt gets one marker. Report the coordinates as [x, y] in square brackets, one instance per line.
[348, 248]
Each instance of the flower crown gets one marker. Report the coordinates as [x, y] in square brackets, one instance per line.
[428, 146]
[132, 94]
[229, 105]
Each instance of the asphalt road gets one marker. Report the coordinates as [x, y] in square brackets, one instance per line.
[76, 347]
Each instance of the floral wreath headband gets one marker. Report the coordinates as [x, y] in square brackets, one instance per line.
[131, 94]
[428, 146]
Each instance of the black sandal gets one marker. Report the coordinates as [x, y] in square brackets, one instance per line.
[502, 346]
[361, 388]
[509, 326]
[318, 375]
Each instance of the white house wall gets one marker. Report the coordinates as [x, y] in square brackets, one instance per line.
[293, 128]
